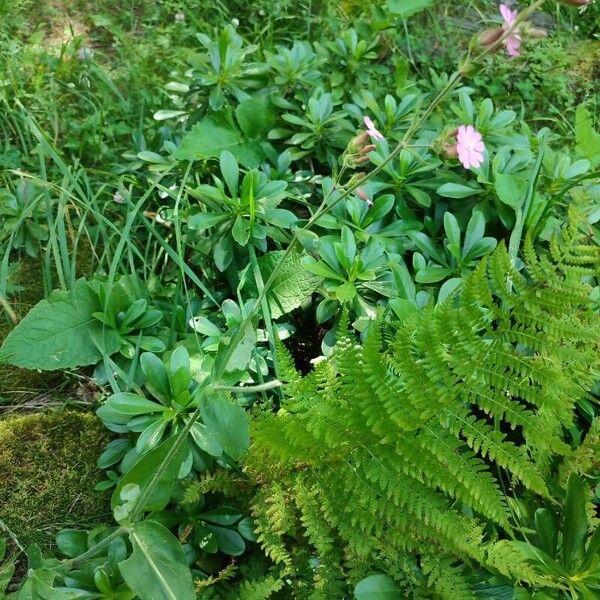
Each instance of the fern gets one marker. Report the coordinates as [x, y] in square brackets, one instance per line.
[404, 445]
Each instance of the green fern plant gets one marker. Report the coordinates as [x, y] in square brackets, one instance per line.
[411, 443]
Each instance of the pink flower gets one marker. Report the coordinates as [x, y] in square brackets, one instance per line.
[513, 40]
[372, 130]
[470, 146]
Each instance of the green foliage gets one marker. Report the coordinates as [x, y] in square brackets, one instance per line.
[564, 548]
[58, 332]
[48, 473]
[156, 568]
[173, 396]
[408, 445]
[216, 207]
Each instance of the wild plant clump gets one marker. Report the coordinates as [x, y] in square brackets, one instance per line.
[328, 275]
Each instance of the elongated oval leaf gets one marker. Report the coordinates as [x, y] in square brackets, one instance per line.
[157, 569]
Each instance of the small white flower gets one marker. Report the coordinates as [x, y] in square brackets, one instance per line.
[118, 198]
[235, 22]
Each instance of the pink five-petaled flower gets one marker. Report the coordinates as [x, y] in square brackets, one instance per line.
[513, 40]
[372, 130]
[470, 146]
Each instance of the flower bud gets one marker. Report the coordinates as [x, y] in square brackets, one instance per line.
[489, 38]
[449, 150]
[364, 196]
[533, 32]
[576, 2]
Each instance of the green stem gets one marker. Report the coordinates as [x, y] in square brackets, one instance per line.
[96, 548]
[264, 303]
[138, 506]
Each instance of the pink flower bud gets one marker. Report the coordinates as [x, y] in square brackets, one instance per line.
[364, 196]
[576, 2]
[490, 37]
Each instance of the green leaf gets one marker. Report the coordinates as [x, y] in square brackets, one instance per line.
[128, 403]
[209, 137]
[458, 190]
[320, 268]
[205, 439]
[72, 542]
[157, 568]
[511, 189]
[406, 8]
[155, 373]
[432, 274]
[377, 587]
[206, 220]
[230, 541]
[142, 472]
[574, 527]
[224, 515]
[547, 531]
[230, 171]
[292, 286]
[254, 116]
[346, 291]
[243, 351]
[59, 332]
[228, 422]
[452, 229]
[588, 139]
[241, 230]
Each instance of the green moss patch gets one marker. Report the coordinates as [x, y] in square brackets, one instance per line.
[48, 473]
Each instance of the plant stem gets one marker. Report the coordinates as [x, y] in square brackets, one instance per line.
[96, 547]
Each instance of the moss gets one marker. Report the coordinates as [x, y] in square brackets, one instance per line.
[48, 473]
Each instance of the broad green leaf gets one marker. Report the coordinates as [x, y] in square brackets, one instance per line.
[205, 439]
[377, 587]
[511, 189]
[209, 137]
[255, 116]
[292, 285]
[157, 568]
[72, 542]
[588, 139]
[59, 332]
[346, 291]
[142, 472]
[228, 422]
[406, 8]
[230, 541]
[115, 451]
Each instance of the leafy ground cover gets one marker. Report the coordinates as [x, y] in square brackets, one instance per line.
[300, 300]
